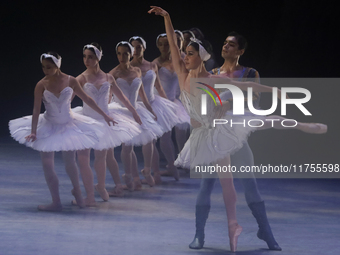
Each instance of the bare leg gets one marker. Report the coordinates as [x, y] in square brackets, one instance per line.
[112, 165]
[155, 165]
[72, 171]
[100, 168]
[126, 156]
[229, 197]
[86, 175]
[147, 155]
[312, 128]
[168, 150]
[134, 170]
[47, 159]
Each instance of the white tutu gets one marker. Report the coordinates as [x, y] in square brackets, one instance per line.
[114, 135]
[170, 85]
[58, 128]
[150, 129]
[208, 144]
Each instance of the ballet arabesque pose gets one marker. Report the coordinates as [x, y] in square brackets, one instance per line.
[209, 145]
[58, 129]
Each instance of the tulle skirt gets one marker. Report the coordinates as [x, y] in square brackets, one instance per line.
[207, 145]
[149, 130]
[79, 133]
[114, 135]
[183, 116]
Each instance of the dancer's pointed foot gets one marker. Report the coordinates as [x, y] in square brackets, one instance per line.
[313, 128]
[117, 191]
[50, 208]
[88, 202]
[234, 231]
[148, 177]
[79, 198]
[269, 239]
[102, 192]
[128, 181]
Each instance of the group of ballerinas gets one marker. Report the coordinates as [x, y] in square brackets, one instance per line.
[104, 123]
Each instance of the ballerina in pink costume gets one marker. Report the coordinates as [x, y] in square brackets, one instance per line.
[100, 86]
[129, 80]
[164, 108]
[58, 129]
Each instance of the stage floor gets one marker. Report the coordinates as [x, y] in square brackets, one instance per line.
[304, 215]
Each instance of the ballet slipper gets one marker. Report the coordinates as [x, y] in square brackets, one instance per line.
[234, 231]
[79, 198]
[157, 178]
[88, 203]
[138, 184]
[102, 192]
[50, 208]
[148, 177]
[130, 185]
[314, 128]
[117, 191]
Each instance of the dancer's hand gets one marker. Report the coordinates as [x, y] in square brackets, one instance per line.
[31, 138]
[158, 11]
[137, 118]
[110, 121]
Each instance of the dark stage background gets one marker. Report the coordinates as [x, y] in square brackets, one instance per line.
[286, 39]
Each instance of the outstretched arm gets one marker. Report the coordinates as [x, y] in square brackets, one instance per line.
[177, 61]
[88, 100]
[146, 101]
[158, 85]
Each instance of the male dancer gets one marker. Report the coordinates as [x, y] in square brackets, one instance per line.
[234, 47]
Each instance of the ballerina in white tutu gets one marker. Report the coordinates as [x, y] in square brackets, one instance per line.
[129, 80]
[58, 129]
[164, 108]
[207, 144]
[100, 86]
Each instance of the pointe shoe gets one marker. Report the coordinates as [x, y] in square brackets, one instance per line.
[197, 243]
[234, 231]
[314, 128]
[50, 208]
[117, 191]
[79, 198]
[148, 177]
[128, 181]
[102, 192]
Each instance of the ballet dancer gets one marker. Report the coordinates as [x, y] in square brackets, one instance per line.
[100, 86]
[164, 108]
[169, 81]
[129, 81]
[58, 129]
[220, 142]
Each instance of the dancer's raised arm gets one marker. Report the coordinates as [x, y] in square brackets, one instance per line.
[177, 61]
